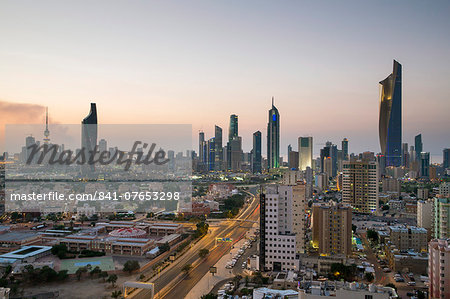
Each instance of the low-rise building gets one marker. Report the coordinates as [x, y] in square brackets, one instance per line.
[408, 237]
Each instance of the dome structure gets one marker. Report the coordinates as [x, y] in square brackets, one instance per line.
[128, 232]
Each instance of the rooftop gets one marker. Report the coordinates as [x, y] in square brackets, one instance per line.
[25, 251]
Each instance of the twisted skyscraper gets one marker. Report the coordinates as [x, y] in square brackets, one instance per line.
[390, 126]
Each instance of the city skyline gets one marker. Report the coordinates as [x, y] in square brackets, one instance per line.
[176, 77]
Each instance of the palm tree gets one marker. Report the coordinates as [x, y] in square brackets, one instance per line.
[186, 268]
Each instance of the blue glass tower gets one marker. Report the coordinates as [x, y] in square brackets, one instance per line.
[390, 123]
[256, 152]
[273, 138]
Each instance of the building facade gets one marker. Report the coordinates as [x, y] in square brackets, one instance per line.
[439, 268]
[360, 185]
[273, 138]
[390, 120]
[332, 228]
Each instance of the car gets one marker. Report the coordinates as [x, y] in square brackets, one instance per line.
[386, 270]
[399, 279]
[410, 274]
[411, 283]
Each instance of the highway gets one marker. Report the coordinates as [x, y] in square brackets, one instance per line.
[173, 283]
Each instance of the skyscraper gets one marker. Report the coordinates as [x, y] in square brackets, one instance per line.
[218, 152]
[418, 146]
[289, 149]
[273, 138]
[405, 155]
[446, 157]
[89, 134]
[305, 152]
[201, 139]
[256, 165]
[47, 131]
[424, 164]
[360, 185]
[390, 122]
[233, 131]
[345, 149]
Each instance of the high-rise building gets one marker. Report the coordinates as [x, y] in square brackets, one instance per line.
[424, 165]
[439, 269]
[446, 158]
[329, 151]
[305, 152]
[289, 149]
[102, 145]
[360, 185]
[345, 149]
[218, 152]
[89, 135]
[256, 165]
[441, 227]
[425, 214]
[293, 160]
[282, 226]
[201, 154]
[390, 122]
[234, 154]
[405, 155]
[30, 141]
[233, 131]
[47, 131]
[210, 154]
[273, 138]
[418, 146]
[332, 228]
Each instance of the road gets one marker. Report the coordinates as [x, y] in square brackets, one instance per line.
[383, 278]
[173, 283]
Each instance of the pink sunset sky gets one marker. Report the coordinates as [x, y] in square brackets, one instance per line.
[197, 63]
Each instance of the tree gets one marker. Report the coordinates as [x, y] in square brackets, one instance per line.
[369, 277]
[112, 279]
[116, 294]
[103, 275]
[186, 268]
[203, 252]
[372, 235]
[80, 272]
[164, 247]
[354, 227]
[130, 266]
[385, 207]
[62, 275]
[94, 271]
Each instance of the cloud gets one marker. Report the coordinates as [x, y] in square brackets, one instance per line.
[18, 113]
